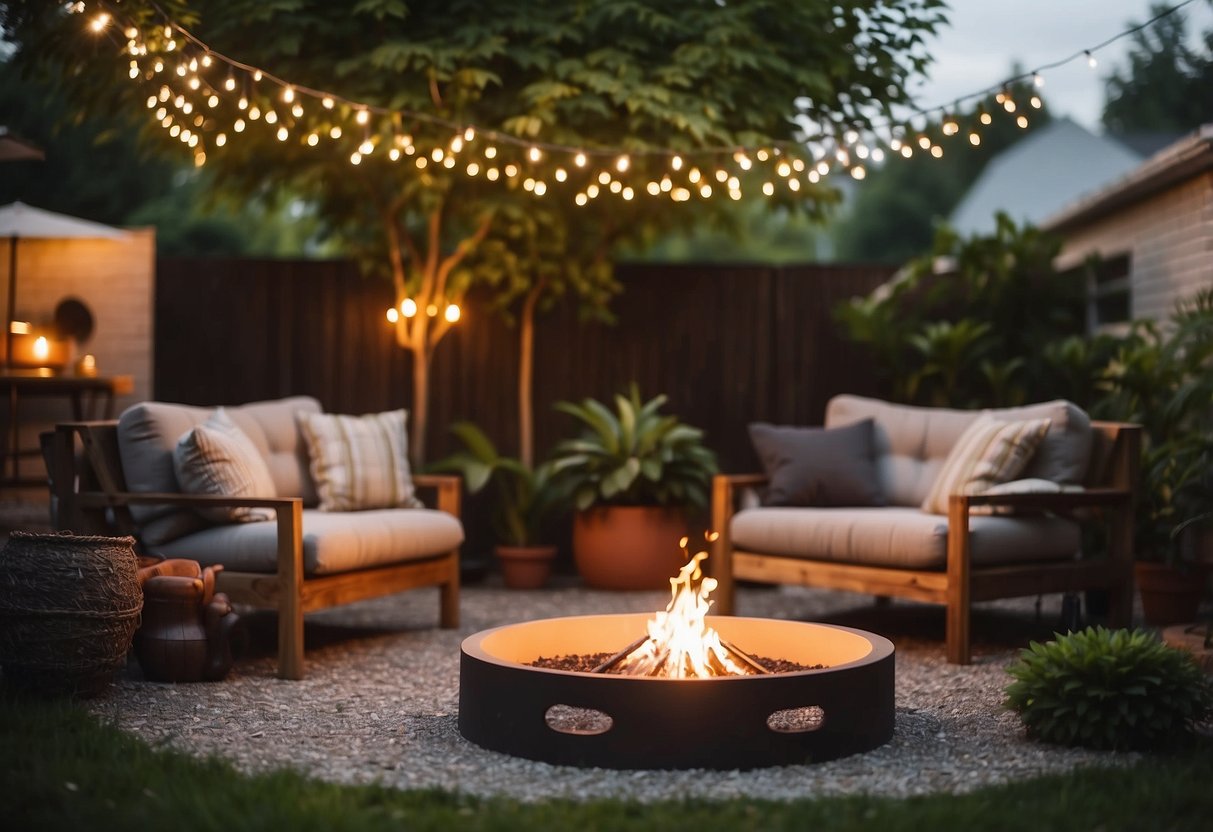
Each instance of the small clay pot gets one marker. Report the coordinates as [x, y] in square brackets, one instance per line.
[525, 567]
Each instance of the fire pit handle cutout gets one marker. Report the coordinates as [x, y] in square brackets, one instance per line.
[797, 720]
[571, 719]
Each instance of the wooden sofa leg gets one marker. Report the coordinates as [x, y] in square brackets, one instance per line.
[290, 592]
[448, 602]
[958, 647]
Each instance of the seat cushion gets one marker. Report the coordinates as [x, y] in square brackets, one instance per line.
[333, 542]
[904, 538]
[148, 432]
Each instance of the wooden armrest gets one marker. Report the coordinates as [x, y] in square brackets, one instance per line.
[121, 498]
[448, 487]
[1056, 500]
[740, 480]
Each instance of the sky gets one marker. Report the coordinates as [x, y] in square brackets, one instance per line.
[985, 38]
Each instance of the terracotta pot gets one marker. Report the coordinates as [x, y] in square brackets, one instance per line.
[525, 567]
[1169, 595]
[628, 547]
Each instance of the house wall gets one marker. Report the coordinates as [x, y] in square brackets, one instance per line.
[116, 280]
[1169, 238]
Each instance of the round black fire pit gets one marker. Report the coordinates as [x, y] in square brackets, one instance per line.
[645, 722]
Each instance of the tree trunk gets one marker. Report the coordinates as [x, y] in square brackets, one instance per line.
[526, 370]
[421, 406]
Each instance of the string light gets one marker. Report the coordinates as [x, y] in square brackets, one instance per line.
[723, 165]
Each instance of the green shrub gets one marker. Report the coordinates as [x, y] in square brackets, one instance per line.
[1113, 689]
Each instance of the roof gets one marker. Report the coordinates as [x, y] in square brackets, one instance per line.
[1037, 176]
[1189, 156]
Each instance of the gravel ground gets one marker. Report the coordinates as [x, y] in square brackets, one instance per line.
[380, 704]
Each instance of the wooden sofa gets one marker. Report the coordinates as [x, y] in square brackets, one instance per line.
[961, 573]
[280, 568]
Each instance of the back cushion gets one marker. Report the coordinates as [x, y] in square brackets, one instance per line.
[913, 442]
[148, 433]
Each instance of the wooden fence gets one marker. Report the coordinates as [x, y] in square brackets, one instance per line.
[727, 344]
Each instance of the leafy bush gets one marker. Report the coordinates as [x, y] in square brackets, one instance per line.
[1109, 689]
[633, 456]
[522, 497]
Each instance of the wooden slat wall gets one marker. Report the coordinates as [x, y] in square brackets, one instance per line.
[727, 344]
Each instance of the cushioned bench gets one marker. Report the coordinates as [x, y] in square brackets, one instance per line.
[301, 557]
[867, 507]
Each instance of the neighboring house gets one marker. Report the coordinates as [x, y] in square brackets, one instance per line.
[1036, 177]
[1152, 229]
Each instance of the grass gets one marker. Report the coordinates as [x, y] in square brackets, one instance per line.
[63, 769]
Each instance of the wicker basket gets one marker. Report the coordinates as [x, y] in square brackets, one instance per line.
[69, 606]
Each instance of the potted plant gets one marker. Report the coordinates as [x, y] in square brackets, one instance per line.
[1176, 502]
[630, 475]
[523, 497]
[1162, 377]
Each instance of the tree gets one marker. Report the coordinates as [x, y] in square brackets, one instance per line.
[391, 115]
[1165, 87]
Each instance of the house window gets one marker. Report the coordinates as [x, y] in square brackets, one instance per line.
[1109, 292]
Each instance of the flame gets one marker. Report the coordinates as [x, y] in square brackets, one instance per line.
[681, 645]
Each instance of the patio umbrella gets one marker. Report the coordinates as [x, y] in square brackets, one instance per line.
[20, 221]
[15, 149]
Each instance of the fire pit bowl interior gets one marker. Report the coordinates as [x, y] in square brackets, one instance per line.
[645, 722]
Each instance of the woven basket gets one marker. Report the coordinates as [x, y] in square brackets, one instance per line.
[69, 606]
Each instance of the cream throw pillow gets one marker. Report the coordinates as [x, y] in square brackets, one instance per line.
[217, 457]
[359, 462]
[989, 452]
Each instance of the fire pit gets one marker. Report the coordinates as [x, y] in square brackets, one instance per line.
[644, 721]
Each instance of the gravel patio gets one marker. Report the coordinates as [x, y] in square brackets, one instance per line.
[380, 703]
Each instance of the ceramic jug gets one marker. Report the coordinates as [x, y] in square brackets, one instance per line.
[187, 626]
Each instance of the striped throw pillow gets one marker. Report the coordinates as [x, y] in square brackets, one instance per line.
[989, 452]
[359, 462]
[217, 457]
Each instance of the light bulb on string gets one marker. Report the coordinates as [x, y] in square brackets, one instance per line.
[579, 160]
[1091, 62]
[1036, 102]
[490, 152]
[335, 132]
[1038, 80]
[230, 83]
[534, 154]
[1022, 121]
[974, 138]
[257, 75]
[288, 94]
[362, 116]
[622, 163]
[326, 102]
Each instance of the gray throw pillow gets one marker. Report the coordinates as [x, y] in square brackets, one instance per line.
[819, 466]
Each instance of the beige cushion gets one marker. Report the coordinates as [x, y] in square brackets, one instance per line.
[332, 541]
[989, 452]
[217, 458]
[148, 433]
[359, 462]
[904, 538]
